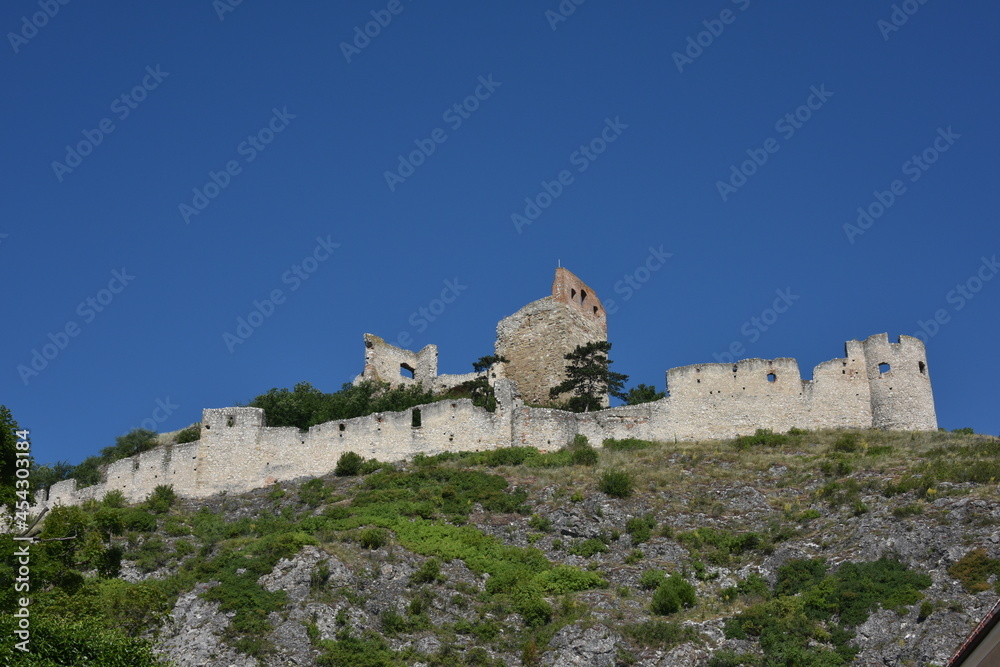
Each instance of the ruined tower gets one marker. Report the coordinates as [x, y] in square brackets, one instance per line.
[901, 396]
[536, 339]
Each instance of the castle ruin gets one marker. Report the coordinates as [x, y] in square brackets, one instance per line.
[876, 384]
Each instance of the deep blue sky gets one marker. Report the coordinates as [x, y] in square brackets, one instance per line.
[884, 97]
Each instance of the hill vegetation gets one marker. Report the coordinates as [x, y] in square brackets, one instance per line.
[768, 549]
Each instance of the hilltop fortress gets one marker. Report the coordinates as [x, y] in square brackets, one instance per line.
[877, 384]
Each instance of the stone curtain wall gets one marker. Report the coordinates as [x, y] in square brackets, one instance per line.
[238, 452]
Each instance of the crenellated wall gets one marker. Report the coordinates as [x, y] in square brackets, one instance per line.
[238, 452]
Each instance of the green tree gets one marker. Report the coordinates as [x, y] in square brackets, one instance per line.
[643, 394]
[8, 457]
[589, 377]
[482, 391]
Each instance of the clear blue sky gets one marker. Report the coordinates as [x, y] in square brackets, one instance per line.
[286, 122]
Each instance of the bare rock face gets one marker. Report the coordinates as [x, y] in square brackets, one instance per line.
[577, 645]
[194, 635]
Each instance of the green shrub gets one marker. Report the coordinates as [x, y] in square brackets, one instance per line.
[588, 548]
[627, 444]
[640, 528]
[349, 464]
[926, 609]
[754, 587]
[652, 579]
[635, 556]
[161, 499]
[796, 576]
[428, 573]
[964, 431]
[138, 520]
[542, 523]
[762, 437]
[563, 579]
[847, 443]
[508, 456]
[373, 538]
[660, 634]
[314, 493]
[190, 434]
[616, 483]
[583, 455]
[673, 594]
[973, 569]
[114, 499]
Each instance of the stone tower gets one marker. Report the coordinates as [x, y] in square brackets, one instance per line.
[901, 396]
[536, 339]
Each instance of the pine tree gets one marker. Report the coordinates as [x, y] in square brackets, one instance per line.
[589, 378]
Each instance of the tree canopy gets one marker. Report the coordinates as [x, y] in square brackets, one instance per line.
[589, 378]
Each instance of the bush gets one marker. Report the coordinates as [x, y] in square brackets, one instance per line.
[348, 465]
[847, 443]
[616, 483]
[672, 595]
[542, 523]
[190, 434]
[588, 548]
[313, 492]
[114, 499]
[973, 569]
[138, 520]
[798, 575]
[373, 538]
[161, 499]
[627, 444]
[660, 634]
[428, 573]
[651, 579]
[762, 437]
[640, 528]
[508, 456]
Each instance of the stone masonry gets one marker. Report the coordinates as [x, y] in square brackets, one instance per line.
[877, 384]
[536, 339]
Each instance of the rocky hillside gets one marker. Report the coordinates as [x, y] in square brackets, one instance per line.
[828, 548]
